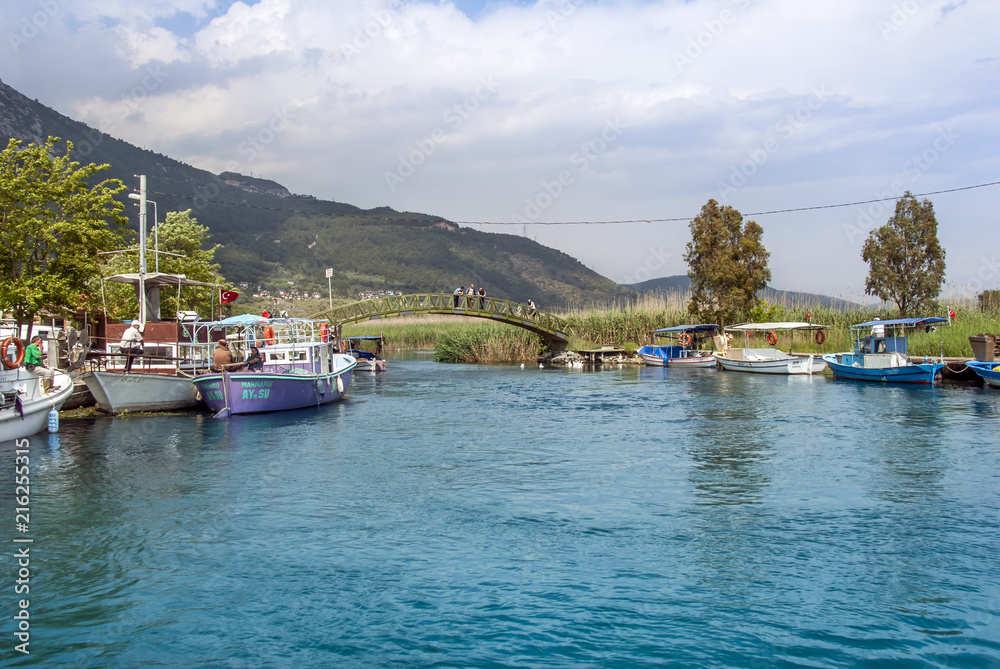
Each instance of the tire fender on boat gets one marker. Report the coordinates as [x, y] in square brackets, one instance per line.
[19, 345]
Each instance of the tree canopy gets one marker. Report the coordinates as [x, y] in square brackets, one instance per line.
[905, 258]
[727, 264]
[53, 223]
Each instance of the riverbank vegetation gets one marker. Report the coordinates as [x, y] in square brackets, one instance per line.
[473, 340]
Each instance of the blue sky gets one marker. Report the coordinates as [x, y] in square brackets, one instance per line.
[529, 113]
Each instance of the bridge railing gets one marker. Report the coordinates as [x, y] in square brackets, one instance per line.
[468, 305]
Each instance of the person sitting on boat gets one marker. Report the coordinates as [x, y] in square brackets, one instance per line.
[254, 363]
[131, 345]
[222, 358]
[33, 359]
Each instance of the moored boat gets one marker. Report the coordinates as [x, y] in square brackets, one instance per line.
[686, 352]
[24, 403]
[300, 367]
[768, 360]
[880, 353]
[368, 361]
[988, 371]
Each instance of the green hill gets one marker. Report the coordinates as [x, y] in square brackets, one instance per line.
[682, 284]
[271, 237]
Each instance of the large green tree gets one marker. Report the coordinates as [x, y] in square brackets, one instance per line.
[53, 222]
[905, 258]
[727, 264]
[184, 249]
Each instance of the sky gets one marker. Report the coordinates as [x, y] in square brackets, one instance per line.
[508, 115]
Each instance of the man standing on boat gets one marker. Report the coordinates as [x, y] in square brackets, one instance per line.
[131, 344]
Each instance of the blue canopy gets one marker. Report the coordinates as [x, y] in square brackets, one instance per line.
[705, 327]
[243, 319]
[905, 322]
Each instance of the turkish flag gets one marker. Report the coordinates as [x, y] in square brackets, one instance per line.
[227, 296]
[264, 314]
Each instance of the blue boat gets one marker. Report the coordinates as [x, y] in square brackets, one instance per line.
[367, 361]
[880, 353]
[988, 371]
[683, 354]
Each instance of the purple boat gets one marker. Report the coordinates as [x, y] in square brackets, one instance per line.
[298, 369]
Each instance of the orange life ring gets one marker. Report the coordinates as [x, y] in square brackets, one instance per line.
[684, 339]
[749, 335]
[772, 338]
[324, 332]
[819, 337]
[19, 345]
[269, 335]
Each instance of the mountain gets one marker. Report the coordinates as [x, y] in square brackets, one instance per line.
[272, 237]
[682, 284]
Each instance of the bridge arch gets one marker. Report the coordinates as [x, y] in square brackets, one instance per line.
[560, 333]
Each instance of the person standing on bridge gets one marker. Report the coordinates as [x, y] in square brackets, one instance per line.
[531, 308]
[458, 294]
[482, 297]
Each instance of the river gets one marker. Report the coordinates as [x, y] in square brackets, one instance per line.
[492, 516]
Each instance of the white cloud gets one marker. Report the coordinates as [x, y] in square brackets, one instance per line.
[812, 103]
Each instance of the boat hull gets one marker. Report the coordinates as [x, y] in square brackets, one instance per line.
[768, 361]
[251, 392]
[986, 371]
[116, 392]
[909, 373]
[664, 356]
[35, 406]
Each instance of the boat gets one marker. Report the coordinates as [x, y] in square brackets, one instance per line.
[686, 353]
[301, 367]
[25, 405]
[367, 361]
[160, 377]
[880, 353]
[988, 371]
[767, 360]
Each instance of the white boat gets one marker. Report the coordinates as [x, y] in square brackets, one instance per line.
[767, 360]
[117, 392]
[25, 406]
[367, 360]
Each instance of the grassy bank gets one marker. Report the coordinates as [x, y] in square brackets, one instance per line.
[489, 343]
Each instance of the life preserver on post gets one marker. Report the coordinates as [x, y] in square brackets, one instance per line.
[684, 339]
[20, 352]
[324, 332]
[269, 335]
[772, 338]
[819, 337]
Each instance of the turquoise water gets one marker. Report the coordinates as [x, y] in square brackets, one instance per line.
[475, 516]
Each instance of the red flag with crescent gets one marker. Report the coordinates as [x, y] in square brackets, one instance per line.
[227, 296]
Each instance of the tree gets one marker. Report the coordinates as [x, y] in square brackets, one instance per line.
[181, 243]
[905, 258]
[53, 223]
[727, 264]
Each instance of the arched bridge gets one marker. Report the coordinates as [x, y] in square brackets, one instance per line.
[557, 331]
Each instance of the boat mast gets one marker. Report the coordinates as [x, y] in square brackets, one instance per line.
[142, 249]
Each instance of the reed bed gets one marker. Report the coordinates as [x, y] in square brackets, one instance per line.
[413, 333]
[489, 343]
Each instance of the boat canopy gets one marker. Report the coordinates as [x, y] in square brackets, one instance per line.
[706, 327]
[365, 337]
[757, 327]
[157, 279]
[243, 319]
[904, 322]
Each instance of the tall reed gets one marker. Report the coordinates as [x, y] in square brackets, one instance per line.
[489, 343]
